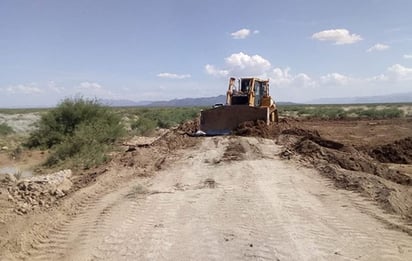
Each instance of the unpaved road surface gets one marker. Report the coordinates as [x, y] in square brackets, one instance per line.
[229, 198]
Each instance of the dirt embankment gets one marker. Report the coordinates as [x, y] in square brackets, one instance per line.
[257, 129]
[399, 152]
[352, 167]
[35, 206]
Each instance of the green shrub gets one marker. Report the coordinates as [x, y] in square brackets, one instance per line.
[338, 111]
[150, 118]
[5, 129]
[144, 126]
[78, 131]
[381, 114]
[327, 112]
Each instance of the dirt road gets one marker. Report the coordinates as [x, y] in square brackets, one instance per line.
[228, 199]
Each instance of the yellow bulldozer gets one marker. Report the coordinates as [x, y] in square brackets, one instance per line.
[248, 101]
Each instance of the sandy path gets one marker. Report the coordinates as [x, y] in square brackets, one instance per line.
[206, 207]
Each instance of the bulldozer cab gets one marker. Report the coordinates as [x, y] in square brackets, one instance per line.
[255, 87]
[245, 85]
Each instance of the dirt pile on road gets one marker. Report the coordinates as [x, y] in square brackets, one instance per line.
[357, 168]
[349, 166]
[38, 191]
[174, 140]
[314, 137]
[149, 158]
[234, 151]
[349, 158]
[257, 129]
[190, 126]
[352, 169]
[399, 152]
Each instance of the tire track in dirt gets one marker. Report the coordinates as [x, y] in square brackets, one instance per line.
[122, 219]
[252, 207]
[58, 238]
[331, 232]
[260, 237]
[79, 231]
[162, 221]
[152, 212]
[256, 238]
[157, 230]
[195, 219]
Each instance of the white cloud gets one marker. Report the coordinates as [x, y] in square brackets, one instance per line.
[241, 63]
[244, 65]
[339, 36]
[378, 47]
[173, 76]
[394, 74]
[210, 69]
[291, 86]
[407, 56]
[302, 79]
[334, 79]
[241, 34]
[399, 72]
[280, 76]
[256, 31]
[377, 78]
[23, 89]
[283, 78]
[54, 87]
[94, 89]
[90, 86]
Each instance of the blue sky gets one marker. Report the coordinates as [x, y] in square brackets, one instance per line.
[160, 50]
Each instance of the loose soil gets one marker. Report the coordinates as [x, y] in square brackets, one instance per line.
[399, 152]
[352, 153]
[228, 198]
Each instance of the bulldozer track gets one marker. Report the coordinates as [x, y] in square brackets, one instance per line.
[205, 208]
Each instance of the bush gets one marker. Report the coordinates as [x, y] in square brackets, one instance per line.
[327, 112]
[144, 126]
[339, 112]
[5, 129]
[78, 130]
[381, 114]
[150, 118]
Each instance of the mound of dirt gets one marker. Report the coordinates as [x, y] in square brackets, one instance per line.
[257, 129]
[300, 132]
[37, 191]
[174, 140]
[314, 136]
[189, 126]
[351, 159]
[234, 151]
[353, 169]
[399, 152]
[150, 158]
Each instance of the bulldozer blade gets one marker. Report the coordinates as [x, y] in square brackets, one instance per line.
[224, 119]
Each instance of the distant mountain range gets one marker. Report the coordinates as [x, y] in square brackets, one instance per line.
[390, 98]
[186, 102]
[190, 102]
[210, 101]
[123, 103]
